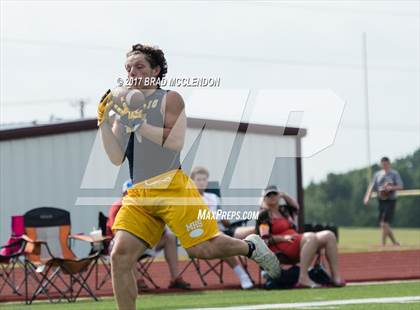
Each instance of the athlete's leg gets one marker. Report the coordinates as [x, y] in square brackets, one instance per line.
[384, 233]
[388, 215]
[388, 231]
[125, 253]
[231, 261]
[223, 246]
[382, 209]
[201, 237]
[220, 246]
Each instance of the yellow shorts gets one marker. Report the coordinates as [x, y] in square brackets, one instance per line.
[170, 198]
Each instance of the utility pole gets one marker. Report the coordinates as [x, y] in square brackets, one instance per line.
[82, 105]
[366, 99]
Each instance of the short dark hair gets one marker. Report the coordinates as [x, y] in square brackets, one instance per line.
[385, 159]
[154, 55]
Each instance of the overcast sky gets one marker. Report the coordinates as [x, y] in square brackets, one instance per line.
[55, 53]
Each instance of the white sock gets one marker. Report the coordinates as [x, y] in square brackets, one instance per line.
[240, 272]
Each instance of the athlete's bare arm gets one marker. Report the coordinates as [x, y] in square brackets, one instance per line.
[368, 193]
[172, 136]
[113, 140]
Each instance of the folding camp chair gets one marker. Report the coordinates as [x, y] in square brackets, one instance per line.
[104, 253]
[144, 263]
[10, 254]
[9, 260]
[49, 259]
[204, 267]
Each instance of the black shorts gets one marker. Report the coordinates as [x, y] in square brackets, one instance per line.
[386, 210]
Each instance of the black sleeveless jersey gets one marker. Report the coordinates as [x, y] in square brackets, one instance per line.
[147, 159]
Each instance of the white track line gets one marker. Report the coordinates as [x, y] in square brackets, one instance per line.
[381, 282]
[320, 303]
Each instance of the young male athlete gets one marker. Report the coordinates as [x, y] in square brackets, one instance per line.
[162, 192]
[385, 182]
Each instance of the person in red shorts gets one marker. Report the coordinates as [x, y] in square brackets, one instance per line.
[276, 225]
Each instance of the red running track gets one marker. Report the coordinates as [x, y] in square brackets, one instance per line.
[355, 267]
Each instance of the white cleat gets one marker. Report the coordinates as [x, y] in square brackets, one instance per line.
[264, 257]
[246, 282]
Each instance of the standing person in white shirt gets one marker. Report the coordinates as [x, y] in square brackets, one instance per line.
[200, 175]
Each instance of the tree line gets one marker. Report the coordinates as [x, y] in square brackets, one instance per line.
[339, 198]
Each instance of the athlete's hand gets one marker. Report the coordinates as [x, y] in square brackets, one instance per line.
[129, 105]
[135, 122]
[388, 187]
[104, 107]
[366, 201]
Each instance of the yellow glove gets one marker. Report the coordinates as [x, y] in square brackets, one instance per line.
[104, 107]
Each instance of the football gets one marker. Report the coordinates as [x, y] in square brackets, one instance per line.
[129, 105]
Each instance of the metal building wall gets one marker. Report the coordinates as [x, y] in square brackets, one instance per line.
[245, 163]
[48, 171]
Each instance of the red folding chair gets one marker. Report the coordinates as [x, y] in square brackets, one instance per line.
[10, 255]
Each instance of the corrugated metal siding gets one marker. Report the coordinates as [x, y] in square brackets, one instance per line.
[48, 170]
[45, 171]
[255, 166]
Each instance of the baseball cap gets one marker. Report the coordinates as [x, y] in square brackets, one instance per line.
[127, 184]
[270, 189]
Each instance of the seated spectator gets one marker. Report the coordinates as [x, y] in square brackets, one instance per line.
[276, 226]
[243, 231]
[167, 243]
[200, 175]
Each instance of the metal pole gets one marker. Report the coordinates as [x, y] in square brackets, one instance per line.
[366, 99]
[82, 108]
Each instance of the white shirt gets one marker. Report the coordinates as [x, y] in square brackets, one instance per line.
[213, 202]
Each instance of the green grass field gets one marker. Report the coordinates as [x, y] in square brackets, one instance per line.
[354, 239]
[234, 298]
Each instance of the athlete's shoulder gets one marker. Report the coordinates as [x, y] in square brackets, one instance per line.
[174, 101]
[379, 173]
[174, 97]
[394, 172]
